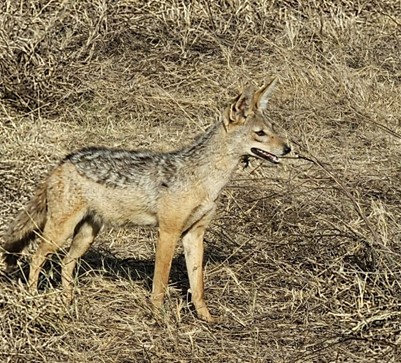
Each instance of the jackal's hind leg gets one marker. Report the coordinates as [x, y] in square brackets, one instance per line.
[193, 249]
[55, 233]
[85, 233]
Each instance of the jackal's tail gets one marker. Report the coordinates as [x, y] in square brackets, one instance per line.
[23, 230]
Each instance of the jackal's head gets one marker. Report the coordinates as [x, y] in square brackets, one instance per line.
[248, 125]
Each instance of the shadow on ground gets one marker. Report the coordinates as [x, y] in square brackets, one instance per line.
[103, 262]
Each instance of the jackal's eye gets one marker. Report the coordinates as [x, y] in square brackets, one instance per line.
[260, 133]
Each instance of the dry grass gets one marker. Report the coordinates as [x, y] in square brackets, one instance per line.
[303, 262]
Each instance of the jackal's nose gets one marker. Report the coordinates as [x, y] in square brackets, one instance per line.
[286, 150]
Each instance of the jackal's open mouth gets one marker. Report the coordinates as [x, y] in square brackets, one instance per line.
[265, 155]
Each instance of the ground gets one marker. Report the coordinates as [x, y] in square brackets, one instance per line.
[302, 261]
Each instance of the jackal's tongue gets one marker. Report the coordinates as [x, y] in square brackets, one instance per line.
[265, 155]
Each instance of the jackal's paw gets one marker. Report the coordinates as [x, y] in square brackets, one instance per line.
[203, 314]
[210, 319]
[156, 301]
[32, 289]
[67, 297]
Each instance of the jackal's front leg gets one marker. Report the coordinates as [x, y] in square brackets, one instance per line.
[193, 248]
[164, 255]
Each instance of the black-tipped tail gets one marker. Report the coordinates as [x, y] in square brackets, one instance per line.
[25, 227]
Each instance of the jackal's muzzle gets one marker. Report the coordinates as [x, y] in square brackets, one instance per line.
[269, 156]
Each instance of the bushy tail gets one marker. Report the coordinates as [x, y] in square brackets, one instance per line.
[25, 227]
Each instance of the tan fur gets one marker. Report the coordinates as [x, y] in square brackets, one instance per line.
[23, 230]
[175, 191]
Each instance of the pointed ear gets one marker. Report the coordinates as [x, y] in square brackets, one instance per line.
[240, 108]
[263, 95]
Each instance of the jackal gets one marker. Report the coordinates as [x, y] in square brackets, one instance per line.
[176, 191]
